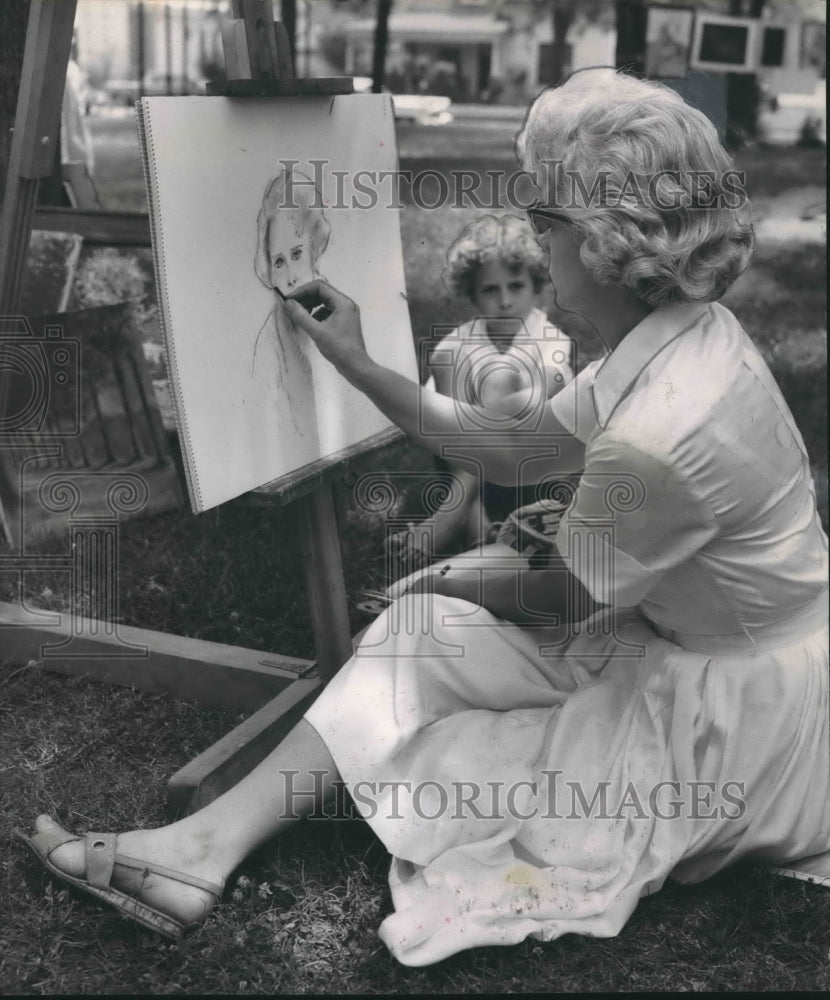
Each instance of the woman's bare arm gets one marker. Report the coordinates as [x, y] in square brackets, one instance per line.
[550, 596]
[509, 450]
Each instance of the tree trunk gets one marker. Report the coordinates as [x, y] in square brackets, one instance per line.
[562, 15]
[381, 42]
[743, 94]
[743, 100]
[631, 36]
[288, 16]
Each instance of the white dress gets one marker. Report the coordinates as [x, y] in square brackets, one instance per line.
[529, 782]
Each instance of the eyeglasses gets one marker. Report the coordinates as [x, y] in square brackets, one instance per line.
[543, 218]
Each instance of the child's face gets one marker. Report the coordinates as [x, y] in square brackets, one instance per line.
[289, 257]
[504, 296]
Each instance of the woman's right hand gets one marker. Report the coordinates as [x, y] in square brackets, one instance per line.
[332, 321]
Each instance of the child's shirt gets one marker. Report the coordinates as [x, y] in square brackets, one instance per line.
[462, 358]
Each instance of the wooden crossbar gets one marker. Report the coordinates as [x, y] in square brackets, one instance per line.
[208, 672]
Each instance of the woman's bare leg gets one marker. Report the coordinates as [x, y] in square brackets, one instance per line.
[210, 843]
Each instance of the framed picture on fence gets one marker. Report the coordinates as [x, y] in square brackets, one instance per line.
[669, 33]
[725, 44]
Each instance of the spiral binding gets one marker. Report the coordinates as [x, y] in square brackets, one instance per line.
[145, 137]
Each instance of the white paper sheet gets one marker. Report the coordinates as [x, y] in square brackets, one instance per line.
[255, 402]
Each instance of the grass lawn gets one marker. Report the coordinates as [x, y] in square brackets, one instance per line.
[301, 915]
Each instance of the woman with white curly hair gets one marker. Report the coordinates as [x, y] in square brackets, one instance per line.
[531, 776]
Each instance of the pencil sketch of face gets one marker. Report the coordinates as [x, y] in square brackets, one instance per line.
[292, 232]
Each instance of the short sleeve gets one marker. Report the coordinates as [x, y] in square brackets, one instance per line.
[633, 518]
[573, 406]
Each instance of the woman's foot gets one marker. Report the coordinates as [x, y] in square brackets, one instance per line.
[163, 847]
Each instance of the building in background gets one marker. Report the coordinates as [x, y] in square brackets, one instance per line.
[162, 46]
[470, 50]
[477, 50]
[173, 46]
[493, 51]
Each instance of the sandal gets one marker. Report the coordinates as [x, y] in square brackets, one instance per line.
[100, 861]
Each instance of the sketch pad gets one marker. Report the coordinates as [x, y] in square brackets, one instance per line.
[253, 401]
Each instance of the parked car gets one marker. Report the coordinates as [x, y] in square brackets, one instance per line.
[795, 118]
[422, 109]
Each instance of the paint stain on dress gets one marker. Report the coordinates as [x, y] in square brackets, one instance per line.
[522, 875]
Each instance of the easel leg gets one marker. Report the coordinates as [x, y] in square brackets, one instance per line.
[222, 765]
[324, 578]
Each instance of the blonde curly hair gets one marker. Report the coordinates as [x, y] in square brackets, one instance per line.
[650, 191]
[507, 240]
[293, 203]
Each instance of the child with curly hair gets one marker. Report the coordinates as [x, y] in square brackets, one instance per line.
[510, 345]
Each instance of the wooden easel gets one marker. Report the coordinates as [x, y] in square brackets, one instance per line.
[258, 65]
[31, 158]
